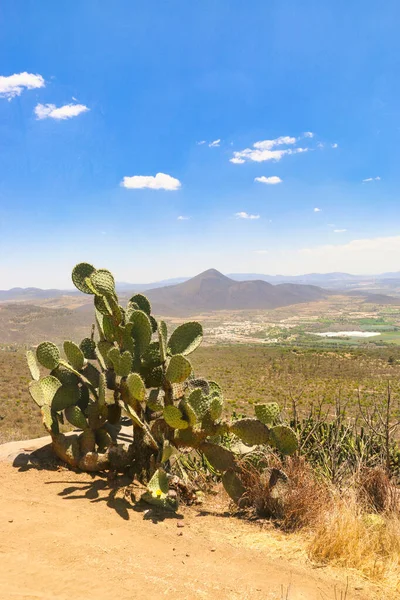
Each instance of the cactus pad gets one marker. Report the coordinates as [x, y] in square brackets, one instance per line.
[283, 439]
[67, 448]
[74, 355]
[48, 355]
[66, 395]
[87, 441]
[136, 387]
[250, 431]
[220, 458]
[103, 282]
[179, 369]
[157, 492]
[32, 365]
[142, 303]
[174, 418]
[267, 413]
[141, 330]
[233, 486]
[199, 403]
[186, 338]
[79, 274]
[76, 417]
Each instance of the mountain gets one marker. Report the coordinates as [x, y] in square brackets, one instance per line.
[212, 290]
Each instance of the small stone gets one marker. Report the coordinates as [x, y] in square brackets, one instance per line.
[11, 521]
[187, 554]
[180, 524]
[213, 549]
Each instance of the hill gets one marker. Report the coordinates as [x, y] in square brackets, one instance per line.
[211, 290]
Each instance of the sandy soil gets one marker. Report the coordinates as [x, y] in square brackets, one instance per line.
[65, 535]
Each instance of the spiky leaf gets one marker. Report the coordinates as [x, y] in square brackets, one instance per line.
[220, 458]
[76, 417]
[267, 413]
[179, 369]
[66, 395]
[48, 355]
[74, 355]
[251, 431]
[103, 282]
[142, 303]
[174, 418]
[233, 486]
[284, 439]
[141, 330]
[79, 274]
[32, 365]
[88, 347]
[136, 387]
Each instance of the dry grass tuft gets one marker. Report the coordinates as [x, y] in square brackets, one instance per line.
[348, 537]
[374, 490]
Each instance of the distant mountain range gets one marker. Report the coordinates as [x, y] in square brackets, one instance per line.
[212, 290]
[334, 281]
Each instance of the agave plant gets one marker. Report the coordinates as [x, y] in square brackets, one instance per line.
[130, 366]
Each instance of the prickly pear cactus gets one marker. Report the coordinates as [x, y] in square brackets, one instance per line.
[130, 366]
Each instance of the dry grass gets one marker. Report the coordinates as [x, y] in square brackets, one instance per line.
[346, 536]
[375, 491]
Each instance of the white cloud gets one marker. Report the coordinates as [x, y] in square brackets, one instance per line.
[267, 150]
[316, 209]
[308, 134]
[339, 230]
[182, 218]
[320, 145]
[201, 142]
[245, 215]
[14, 85]
[214, 144]
[269, 180]
[161, 181]
[261, 251]
[335, 145]
[371, 179]
[50, 111]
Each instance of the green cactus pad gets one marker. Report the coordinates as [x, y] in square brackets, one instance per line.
[174, 418]
[188, 412]
[84, 398]
[66, 395]
[167, 451]
[220, 458]
[102, 305]
[87, 441]
[283, 439]
[199, 402]
[153, 377]
[141, 330]
[142, 303]
[267, 413]
[111, 331]
[134, 416]
[32, 365]
[74, 355]
[79, 274]
[76, 417]
[114, 413]
[136, 387]
[103, 282]
[251, 431]
[48, 355]
[102, 354]
[216, 407]
[97, 415]
[151, 357]
[50, 386]
[102, 389]
[122, 363]
[187, 438]
[88, 347]
[91, 374]
[154, 324]
[36, 392]
[157, 492]
[233, 486]
[162, 337]
[50, 420]
[179, 369]
[199, 383]
[186, 338]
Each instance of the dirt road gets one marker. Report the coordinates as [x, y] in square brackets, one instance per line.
[65, 535]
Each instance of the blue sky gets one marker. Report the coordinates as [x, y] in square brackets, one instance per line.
[94, 94]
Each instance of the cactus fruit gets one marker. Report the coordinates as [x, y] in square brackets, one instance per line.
[283, 439]
[179, 369]
[48, 355]
[185, 339]
[251, 432]
[267, 413]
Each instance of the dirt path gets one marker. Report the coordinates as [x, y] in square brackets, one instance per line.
[63, 535]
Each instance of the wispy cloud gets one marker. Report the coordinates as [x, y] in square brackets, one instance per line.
[245, 215]
[308, 134]
[335, 145]
[267, 150]
[201, 142]
[316, 209]
[371, 179]
[339, 230]
[68, 111]
[261, 251]
[161, 181]
[14, 85]
[214, 144]
[269, 180]
[182, 218]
